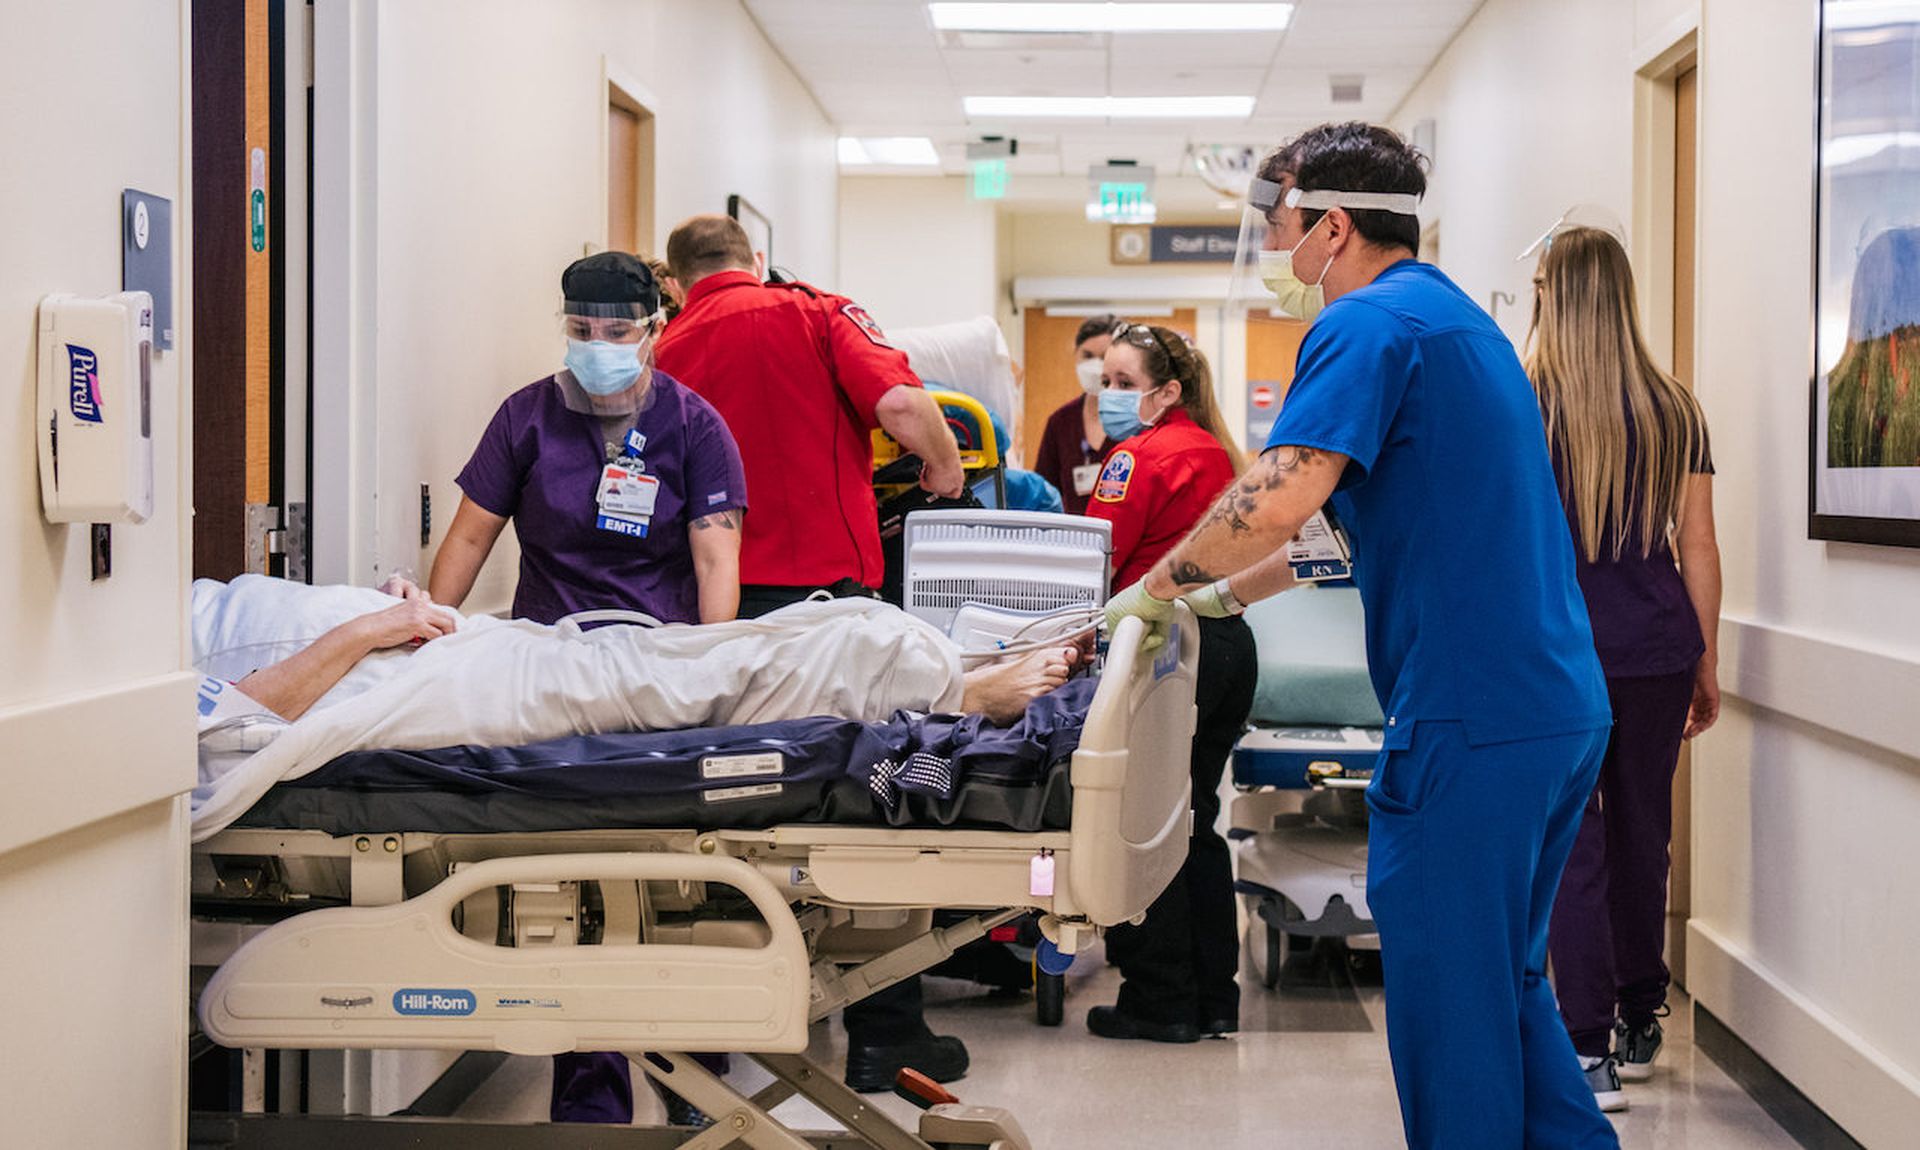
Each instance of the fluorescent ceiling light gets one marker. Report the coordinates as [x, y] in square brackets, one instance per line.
[1110, 17]
[1848, 14]
[1112, 107]
[898, 151]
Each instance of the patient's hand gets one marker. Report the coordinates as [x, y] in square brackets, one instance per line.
[409, 621]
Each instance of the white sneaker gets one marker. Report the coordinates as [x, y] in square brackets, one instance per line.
[1604, 1077]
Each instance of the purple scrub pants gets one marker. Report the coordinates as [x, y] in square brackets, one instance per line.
[1608, 933]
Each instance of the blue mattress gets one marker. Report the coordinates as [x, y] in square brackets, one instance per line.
[913, 770]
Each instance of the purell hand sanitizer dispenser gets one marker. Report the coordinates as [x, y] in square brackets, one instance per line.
[96, 408]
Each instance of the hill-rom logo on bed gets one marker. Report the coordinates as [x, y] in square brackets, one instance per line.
[1168, 661]
[434, 1003]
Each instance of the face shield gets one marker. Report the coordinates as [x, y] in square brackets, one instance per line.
[609, 359]
[1244, 289]
[1577, 216]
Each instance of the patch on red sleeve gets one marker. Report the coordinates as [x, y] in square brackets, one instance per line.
[865, 323]
[1114, 478]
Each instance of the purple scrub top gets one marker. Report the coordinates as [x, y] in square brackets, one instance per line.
[539, 464]
[1643, 622]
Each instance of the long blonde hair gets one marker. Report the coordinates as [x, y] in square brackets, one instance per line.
[1171, 357]
[1594, 377]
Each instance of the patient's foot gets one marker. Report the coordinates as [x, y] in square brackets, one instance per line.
[1002, 690]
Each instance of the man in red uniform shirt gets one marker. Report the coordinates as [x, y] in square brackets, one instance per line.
[802, 377]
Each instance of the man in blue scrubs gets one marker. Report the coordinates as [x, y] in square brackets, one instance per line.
[1411, 418]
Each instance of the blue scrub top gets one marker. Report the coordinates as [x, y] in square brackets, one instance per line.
[1461, 550]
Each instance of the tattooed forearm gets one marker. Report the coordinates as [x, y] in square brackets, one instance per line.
[726, 520]
[1238, 504]
[1187, 573]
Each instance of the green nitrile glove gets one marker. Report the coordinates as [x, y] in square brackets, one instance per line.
[1154, 612]
[1214, 601]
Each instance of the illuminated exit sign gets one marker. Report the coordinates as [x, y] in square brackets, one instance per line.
[989, 179]
[1121, 203]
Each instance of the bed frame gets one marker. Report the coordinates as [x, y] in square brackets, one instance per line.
[467, 942]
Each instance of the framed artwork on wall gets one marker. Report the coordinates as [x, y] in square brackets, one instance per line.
[759, 228]
[1864, 470]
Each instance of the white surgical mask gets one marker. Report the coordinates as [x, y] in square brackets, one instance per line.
[1089, 372]
[1297, 298]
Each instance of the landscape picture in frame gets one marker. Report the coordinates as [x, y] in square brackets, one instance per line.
[1865, 465]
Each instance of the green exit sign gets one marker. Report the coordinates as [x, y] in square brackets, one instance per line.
[989, 179]
[1124, 203]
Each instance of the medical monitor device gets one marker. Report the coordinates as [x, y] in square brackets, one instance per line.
[1020, 562]
[95, 409]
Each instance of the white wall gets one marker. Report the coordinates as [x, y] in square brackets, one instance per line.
[92, 835]
[488, 129]
[1533, 112]
[916, 251]
[1805, 801]
[1806, 793]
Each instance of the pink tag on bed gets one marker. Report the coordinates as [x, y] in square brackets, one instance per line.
[1040, 875]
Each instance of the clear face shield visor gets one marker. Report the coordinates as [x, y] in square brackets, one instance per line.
[1255, 261]
[609, 360]
[1578, 216]
[1245, 290]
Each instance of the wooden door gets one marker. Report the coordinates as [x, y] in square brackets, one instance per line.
[623, 171]
[235, 454]
[1050, 379]
[1273, 345]
[1685, 191]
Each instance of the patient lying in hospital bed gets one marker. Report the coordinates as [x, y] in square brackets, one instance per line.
[295, 676]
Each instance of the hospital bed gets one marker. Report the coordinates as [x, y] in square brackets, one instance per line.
[663, 941]
[1299, 823]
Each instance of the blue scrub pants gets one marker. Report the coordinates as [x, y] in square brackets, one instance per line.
[1465, 849]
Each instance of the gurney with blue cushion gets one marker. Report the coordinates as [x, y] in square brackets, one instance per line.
[1299, 824]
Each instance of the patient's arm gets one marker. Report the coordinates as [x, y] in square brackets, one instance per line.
[295, 683]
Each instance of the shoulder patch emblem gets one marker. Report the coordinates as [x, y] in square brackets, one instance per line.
[865, 323]
[1114, 478]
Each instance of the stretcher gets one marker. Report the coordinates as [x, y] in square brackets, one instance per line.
[1299, 821]
[662, 942]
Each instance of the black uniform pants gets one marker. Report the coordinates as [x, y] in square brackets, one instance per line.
[1180, 964]
[896, 1014]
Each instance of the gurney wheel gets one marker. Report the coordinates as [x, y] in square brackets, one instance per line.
[1276, 954]
[1049, 997]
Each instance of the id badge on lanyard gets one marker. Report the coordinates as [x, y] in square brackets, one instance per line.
[626, 496]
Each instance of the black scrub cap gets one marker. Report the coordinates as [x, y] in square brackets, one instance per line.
[610, 283]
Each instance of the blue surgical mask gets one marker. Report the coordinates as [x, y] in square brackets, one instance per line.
[604, 368]
[1120, 413]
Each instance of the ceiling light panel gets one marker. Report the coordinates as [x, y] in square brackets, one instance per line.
[1085, 17]
[1111, 107]
[890, 151]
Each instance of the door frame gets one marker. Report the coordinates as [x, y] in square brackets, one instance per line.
[620, 88]
[1660, 62]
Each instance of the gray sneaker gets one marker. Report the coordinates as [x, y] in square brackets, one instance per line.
[1636, 1049]
[1604, 1077]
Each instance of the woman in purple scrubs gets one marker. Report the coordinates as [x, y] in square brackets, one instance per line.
[626, 491]
[624, 487]
[1630, 450]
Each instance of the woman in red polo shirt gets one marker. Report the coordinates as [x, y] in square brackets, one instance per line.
[1172, 457]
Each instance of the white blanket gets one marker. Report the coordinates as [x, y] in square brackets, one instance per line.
[494, 683]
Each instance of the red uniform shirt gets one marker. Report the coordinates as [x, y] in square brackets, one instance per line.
[1153, 488]
[796, 373]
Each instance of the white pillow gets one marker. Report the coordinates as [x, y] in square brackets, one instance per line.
[257, 621]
